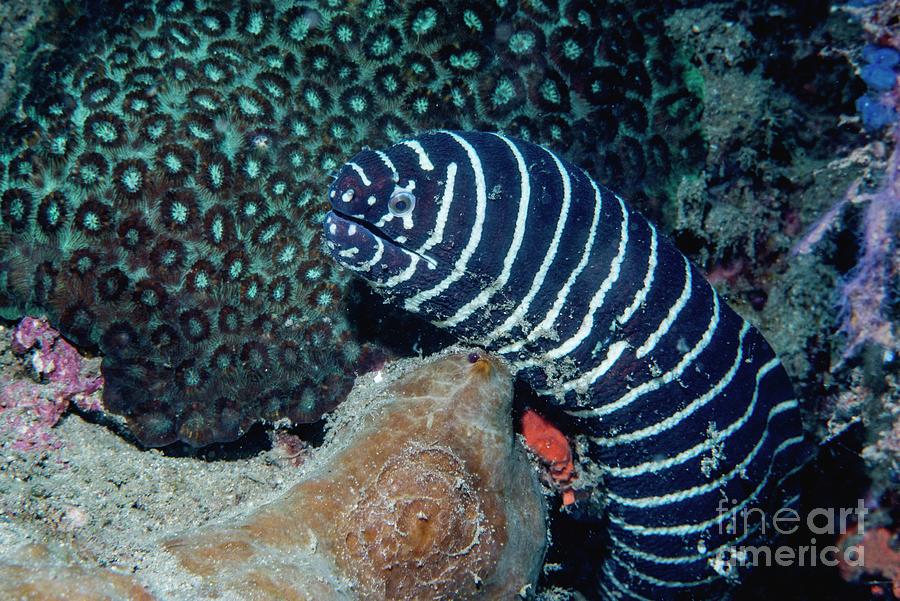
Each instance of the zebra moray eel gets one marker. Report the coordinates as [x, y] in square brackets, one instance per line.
[689, 415]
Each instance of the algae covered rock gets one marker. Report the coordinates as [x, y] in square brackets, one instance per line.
[40, 575]
[421, 492]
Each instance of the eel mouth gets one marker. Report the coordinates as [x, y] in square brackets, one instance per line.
[367, 226]
[349, 220]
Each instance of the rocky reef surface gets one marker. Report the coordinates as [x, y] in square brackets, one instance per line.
[420, 491]
[786, 198]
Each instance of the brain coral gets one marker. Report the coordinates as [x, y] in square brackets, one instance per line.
[161, 173]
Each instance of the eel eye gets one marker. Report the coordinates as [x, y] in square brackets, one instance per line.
[401, 203]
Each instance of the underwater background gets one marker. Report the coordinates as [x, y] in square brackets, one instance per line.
[163, 170]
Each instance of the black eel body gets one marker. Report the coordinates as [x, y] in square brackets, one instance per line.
[690, 417]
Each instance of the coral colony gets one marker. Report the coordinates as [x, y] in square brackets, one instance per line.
[160, 186]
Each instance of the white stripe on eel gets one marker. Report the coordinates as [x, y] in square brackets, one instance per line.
[437, 235]
[708, 442]
[379, 252]
[666, 323]
[587, 323]
[425, 163]
[362, 174]
[522, 309]
[641, 296]
[459, 268]
[581, 384]
[518, 236]
[549, 322]
[684, 529]
[677, 417]
[680, 495]
[406, 273]
[387, 162]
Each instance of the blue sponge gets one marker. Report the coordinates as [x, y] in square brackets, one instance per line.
[875, 115]
[879, 77]
[879, 55]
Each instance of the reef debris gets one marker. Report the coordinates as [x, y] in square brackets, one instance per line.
[866, 295]
[878, 558]
[420, 492]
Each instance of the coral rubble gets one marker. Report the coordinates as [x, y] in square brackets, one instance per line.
[28, 409]
[162, 172]
[421, 492]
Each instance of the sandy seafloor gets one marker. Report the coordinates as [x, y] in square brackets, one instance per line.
[102, 500]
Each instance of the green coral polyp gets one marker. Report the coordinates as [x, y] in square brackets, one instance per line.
[287, 254]
[82, 262]
[550, 92]
[253, 168]
[172, 163]
[132, 179]
[381, 45]
[105, 132]
[504, 92]
[522, 42]
[420, 105]
[472, 21]
[213, 72]
[149, 298]
[250, 107]
[51, 212]
[466, 61]
[572, 50]
[425, 21]
[178, 213]
[216, 175]
[357, 104]
[298, 29]
[344, 34]
[201, 281]
[217, 229]
[91, 221]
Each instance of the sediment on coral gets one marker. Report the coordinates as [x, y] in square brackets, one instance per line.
[38, 581]
[162, 173]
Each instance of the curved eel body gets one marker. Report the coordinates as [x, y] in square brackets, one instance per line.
[690, 417]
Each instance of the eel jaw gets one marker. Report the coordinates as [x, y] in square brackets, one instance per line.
[344, 232]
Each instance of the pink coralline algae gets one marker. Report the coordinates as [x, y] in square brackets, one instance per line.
[29, 409]
[880, 560]
[865, 296]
